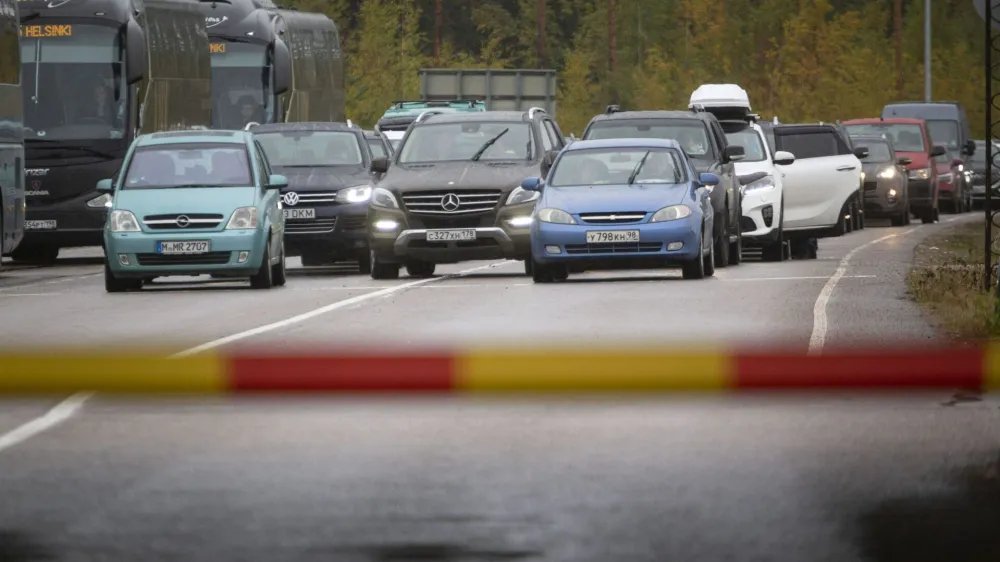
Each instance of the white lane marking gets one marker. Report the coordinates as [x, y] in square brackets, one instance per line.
[795, 278]
[818, 337]
[328, 308]
[57, 415]
[28, 295]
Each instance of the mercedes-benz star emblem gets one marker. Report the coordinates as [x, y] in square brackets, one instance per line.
[450, 202]
[183, 221]
[291, 198]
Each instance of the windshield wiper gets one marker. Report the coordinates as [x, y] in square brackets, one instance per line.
[487, 145]
[638, 167]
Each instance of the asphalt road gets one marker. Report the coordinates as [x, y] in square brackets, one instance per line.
[744, 478]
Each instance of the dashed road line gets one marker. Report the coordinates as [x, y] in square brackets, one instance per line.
[57, 415]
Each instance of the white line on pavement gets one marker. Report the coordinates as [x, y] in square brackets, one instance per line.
[57, 415]
[795, 278]
[818, 337]
[328, 308]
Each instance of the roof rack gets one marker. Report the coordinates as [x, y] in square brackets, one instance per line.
[350, 124]
[398, 104]
[533, 110]
[613, 108]
[425, 115]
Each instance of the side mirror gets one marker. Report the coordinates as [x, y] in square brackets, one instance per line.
[938, 150]
[106, 186]
[970, 147]
[784, 158]
[904, 161]
[734, 153]
[135, 53]
[861, 152]
[710, 180]
[380, 165]
[955, 162]
[531, 184]
[547, 161]
[277, 181]
[282, 67]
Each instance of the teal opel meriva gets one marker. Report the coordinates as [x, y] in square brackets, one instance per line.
[194, 203]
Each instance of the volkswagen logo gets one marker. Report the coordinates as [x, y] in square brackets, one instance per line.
[183, 221]
[450, 202]
[291, 198]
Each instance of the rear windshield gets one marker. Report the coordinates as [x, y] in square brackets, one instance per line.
[311, 149]
[189, 165]
[690, 133]
[905, 138]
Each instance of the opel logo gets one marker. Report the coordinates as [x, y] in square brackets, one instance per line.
[291, 198]
[183, 221]
[450, 202]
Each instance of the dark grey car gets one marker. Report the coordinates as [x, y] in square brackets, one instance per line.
[885, 183]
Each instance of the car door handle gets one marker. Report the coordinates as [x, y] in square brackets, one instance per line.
[846, 168]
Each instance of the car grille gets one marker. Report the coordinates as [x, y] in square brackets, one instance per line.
[310, 199]
[209, 258]
[614, 248]
[468, 201]
[613, 218]
[871, 185]
[194, 221]
[310, 226]
[355, 223]
[466, 221]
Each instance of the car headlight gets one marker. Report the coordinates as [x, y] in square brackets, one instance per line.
[887, 174]
[766, 182]
[520, 195]
[103, 200]
[356, 194]
[123, 221]
[382, 197]
[556, 216]
[671, 213]
[961, 167]
[244, 218]
[920, 174]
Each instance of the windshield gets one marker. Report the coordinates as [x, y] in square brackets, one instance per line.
[603, 166]
[311, 149]
[80, 58]
[448, 142]
[878, 152]
[241, 85]
[905, 138]
[378, 150]
[189, 165]
[751, 143]
[690, 133]
[944, 133]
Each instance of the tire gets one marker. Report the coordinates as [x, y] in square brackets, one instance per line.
[420, 269]
[559, 273]
[35, 254]
[776, 251]
[264, 278]
[541, 273]
[382, 270]
[365, 263]
[721, 249]
[927, 216]
[861, 213]
[898, 219]
[695, 269]
[736, 248]
[906, 215]
[528, 266]
[278, 272]
[849, 222]
[840, 228]
[709, 262]
[936, 214]
[114, 285]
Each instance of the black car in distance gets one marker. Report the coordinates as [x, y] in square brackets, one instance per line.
[328, 166]
[378, 144]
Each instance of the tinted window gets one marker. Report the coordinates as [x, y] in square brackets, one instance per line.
[905, 138]
[240, 85]
[311, 148]
[877, 151]
[461, 141]
[602, 166]
[10, 72]
[690, 133]
[944, 133]
[751, 143]
[377, 148]
[810, 145]
[190, 165]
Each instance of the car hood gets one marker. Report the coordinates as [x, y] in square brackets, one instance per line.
[615, 198]
[221, 200]
[323, 178]
[459, 175]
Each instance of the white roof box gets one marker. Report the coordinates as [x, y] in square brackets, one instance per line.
[720, 95]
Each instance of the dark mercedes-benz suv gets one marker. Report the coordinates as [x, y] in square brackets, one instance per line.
[452, 192]
[328, 166]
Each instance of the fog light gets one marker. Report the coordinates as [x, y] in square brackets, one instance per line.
[767, 213]
[123, 259]
[673, 246]
[386, 225]
[552, 250]
[244, 256]
[520, 222]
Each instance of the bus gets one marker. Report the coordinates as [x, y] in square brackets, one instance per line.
[251, 64]
[11, 132]
[95, 74]
[317, 90]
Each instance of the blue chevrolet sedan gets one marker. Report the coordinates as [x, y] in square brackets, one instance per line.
[622, 204]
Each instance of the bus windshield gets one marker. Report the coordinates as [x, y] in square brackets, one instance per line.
[72, 57]
[241, 84]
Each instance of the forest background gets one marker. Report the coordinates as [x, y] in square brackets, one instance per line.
[801, 60]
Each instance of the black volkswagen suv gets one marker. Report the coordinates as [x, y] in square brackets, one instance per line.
[453, 190]
[328, 166]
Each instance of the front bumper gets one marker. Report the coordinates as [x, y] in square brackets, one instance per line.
[877, 202]
[66, 224]
[133, 254]
[761, 215]
[567, 243]
[921, 193]
[338, 231]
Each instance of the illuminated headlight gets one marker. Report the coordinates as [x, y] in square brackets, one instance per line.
[887, 174]
[103, 200]
[671, 213]
[382, 197]
[766, 182]
[520, 195]
[386, 225]
[555, 216]
[961, 168]
[244, 218]
[521, 222]
[891, 195]
[921, 174]
[123, 221]
[357, 194]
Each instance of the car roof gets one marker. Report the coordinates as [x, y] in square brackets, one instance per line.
[654, 114]
[623, 143]
[890, 120]
[306, 126]
[809, 127]
[475, 116]
[197, 136]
